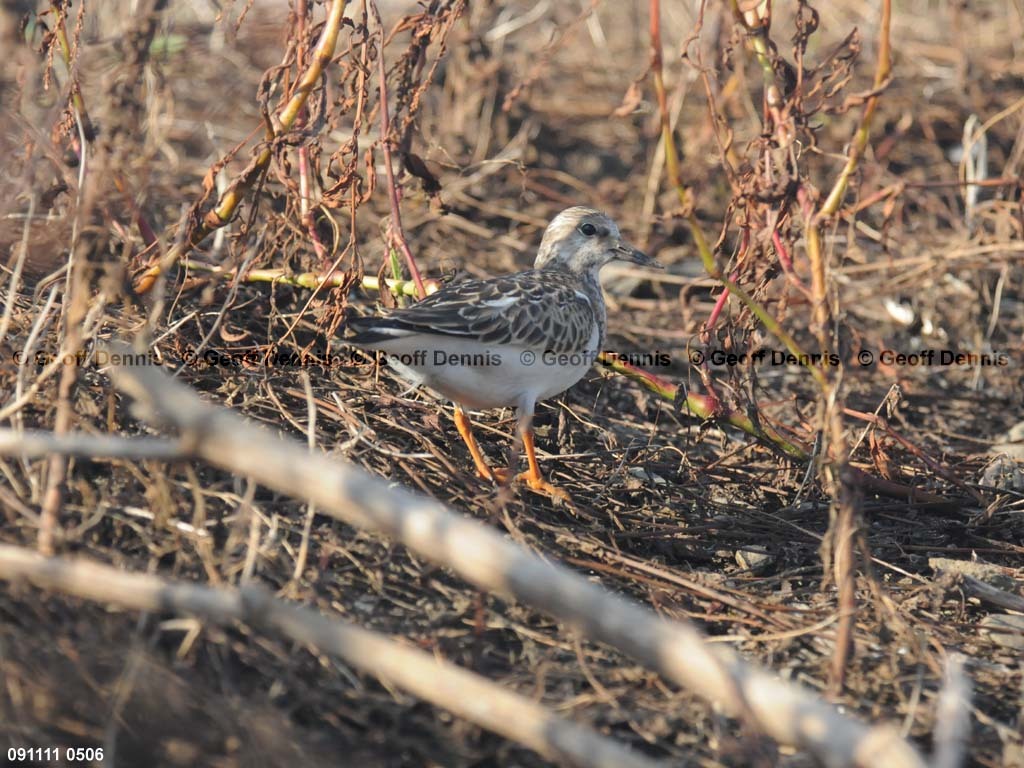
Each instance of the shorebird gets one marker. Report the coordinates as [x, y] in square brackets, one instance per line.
[512, 340]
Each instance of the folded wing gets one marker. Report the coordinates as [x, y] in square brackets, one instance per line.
[534, 309]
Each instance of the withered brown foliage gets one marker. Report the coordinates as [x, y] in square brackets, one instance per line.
[501, 115]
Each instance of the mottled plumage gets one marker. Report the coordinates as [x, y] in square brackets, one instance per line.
[504, 331]
[544, 308]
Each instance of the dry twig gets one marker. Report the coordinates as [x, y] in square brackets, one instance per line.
[784, 711]
[464, 693]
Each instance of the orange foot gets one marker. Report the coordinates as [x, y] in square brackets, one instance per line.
[535, 483]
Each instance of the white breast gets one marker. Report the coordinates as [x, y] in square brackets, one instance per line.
[481, 376]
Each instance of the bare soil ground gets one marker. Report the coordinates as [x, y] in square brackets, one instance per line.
[515, 117]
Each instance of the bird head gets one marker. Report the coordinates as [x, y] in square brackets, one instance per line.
[581, 240]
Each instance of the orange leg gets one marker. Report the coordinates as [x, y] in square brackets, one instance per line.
[532, 476]
[465, 428]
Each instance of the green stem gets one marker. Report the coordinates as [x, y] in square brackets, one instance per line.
[706, 408]
[313, 280]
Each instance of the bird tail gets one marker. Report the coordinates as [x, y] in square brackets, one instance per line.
[371, 331]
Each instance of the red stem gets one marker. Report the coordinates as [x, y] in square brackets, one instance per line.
[395, 231]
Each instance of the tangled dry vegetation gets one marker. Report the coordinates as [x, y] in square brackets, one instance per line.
[215, 185]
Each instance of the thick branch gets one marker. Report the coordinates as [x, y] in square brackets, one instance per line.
[786, 712]
[464, 693]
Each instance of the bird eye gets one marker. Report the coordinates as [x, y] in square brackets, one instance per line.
[589, 230]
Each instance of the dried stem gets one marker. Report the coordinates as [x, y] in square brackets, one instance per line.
[244, 183]
[396, 234]
[706, 408]
[758, 21]
[686, 201]
[466, 694]
[709, 409]
[860, 138]
[838, 545]
[786, 712]
[312, 280]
